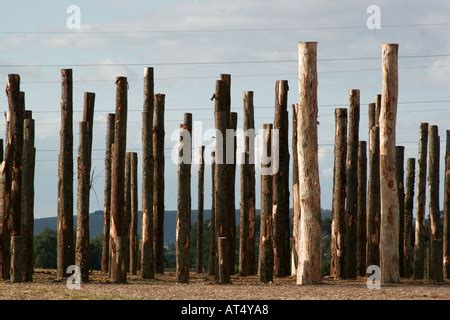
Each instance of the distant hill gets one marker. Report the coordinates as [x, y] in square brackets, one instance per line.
[96, 223]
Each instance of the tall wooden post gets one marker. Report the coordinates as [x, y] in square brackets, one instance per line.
[408, 217]
[66, 248]
[223, 277]
[118, 231]
[212, 223]
[134, 213]
[221, 115]
[351, 187]
[389, 195]
[266, 252]
[6, 217]
[281, 238]
[147, 257]
[232, 192]
[82, 238]
[16, 104]
[201, 182]
[362, 214]
[446, 235]
[184, 200]
[310, 248]
[127, 220]
[295, 194]
[29, 158]
[400, 174]
[435, 265]
[158, 178]
[419, 237]
[248, 212]
[107, 192]
[337, 249]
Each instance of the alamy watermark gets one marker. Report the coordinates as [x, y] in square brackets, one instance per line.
[73, 21]
[374, 20]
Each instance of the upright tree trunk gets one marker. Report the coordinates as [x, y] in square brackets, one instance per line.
[310, 246]
[16, 104]
[400, 174]
[389, 256]
[82, 239]
[232, 205]
[266, 248]
[280, 205]
[107, 193]
[337, 249]
[29, 158]
[435, 265]
[118, 231]
[127, 220]
[66, 249]
[351, 187]
[201, 179]
[296, 194]
[158, 184]
[222, 250]
[212, 223]
[134, 214]
[248, 212]
[408, 217]
[183, 229]
[147, 257]
[419, 237]
[362, 214]
[446, 236]
[6, 217]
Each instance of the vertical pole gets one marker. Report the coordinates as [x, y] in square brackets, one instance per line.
[232, 176]
[362, 214]
[266, 252]
[201, 179]
[134, 213]
[446, 236]
[408, 217]
[127, 220]
[66, 249]
[147, 257]
[281, 239]
[6, 218]
[107, 192]
[212, 223]
[337, 269]
[310, 248]
[118, 231]
[223, 277]
[388, 186]
[158, 178]
[296, 194]
[419, 237]
[400, 175]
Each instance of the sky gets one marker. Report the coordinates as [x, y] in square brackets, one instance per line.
[35, 33]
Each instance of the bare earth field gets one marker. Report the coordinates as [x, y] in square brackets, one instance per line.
[202, 287]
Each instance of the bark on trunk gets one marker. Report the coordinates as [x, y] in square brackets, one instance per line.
[223, 277]
[446, 236]
[362, 215]
[400, 173]
[201, 179]
[134, 240]
[408, 217]
[212, 223]
[296, 194]
[232, 182]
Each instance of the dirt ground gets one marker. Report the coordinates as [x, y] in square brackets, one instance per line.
[164, 287]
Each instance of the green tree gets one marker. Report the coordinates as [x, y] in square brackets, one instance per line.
[45, 249]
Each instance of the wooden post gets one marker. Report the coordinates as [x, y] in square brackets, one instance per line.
[221, 115]
[107, 193]
[362, 214]
[158, 184]
[88, 117]
[248, 212]
[134, 213]
[184, 200]
[222, 243]
[127, 219]
[351, 187]
[296, 194]
[6, 217]
[400, 174]
[266, 252]
[118, 231]
[16, 104]
[212, 223]
[147, 257]
[419, 237]
[377, 109]
[66, 248]
[408, 217]
[201, 179]
[435, 265]
[446, 235]
[29, 157]
[389, 195]
[280, 205]
[337, 249]
[82, 239]
[232, 196]
[310, 249]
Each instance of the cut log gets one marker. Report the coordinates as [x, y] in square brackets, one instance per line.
[408, 217]
[362, 214]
